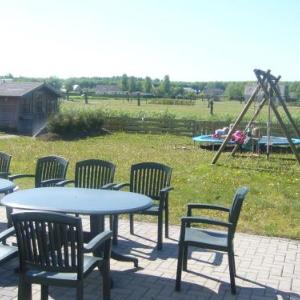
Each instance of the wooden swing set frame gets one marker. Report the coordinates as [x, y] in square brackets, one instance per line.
[268, 84]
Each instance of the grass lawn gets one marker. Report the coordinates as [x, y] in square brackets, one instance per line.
[223, 110]
[273, 204]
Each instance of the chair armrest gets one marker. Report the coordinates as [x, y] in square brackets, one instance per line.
[166, 189]
[51, 182]
[4, 174]
[120, 186]
[97, 241]
[108, 186]
[64, 182]
[191, 206]
[17, 176]
[6, 234]
[203, 220]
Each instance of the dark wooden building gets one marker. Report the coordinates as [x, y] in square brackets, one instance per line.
[26, 106]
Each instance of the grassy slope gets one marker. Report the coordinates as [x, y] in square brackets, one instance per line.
[272, 207]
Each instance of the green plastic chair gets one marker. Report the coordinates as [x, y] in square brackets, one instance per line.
[207, 239]
[93, 174]
[4, 165]
[51, 252]
[7, 252]
[153, 180]
[49, 171]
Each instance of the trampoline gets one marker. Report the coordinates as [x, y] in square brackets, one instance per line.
[209, 139]
[274, 140]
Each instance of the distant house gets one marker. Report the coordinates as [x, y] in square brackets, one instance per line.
[25, 106]
[76, 88]
[250, 87]
[189, 90]
[215, 93]
[105, 89]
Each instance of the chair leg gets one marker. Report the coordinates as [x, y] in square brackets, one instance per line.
[167, 219]
[44, 292]
[79, 291]
[159, 231]
[185, 257]
[111, 222]
[131, 224]
[231, 264]
[24, 290]
[179, 266]
[107, 283]
[114, 224]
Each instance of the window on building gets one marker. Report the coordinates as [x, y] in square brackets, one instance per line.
[26, 106]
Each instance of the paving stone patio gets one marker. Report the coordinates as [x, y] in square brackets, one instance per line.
[267, 268]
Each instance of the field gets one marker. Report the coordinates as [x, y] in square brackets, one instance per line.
[272, 207]
[223, 110]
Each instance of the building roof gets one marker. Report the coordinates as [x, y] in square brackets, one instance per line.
[19, 89]
[107, 89]
[213, 91]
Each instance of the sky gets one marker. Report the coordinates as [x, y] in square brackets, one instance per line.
[189, 40]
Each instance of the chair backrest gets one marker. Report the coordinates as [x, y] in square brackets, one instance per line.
[50, 167]
[94, 173]
[236, 206]
[4, 163]
[49, 241]
[149, 178]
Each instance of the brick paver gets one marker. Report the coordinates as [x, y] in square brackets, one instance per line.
[267, 268]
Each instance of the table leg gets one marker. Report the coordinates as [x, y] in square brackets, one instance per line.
[97, 226]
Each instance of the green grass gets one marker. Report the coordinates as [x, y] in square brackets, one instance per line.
[272, 207]
[223, 110]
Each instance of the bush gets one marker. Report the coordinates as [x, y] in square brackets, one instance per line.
[74, 124]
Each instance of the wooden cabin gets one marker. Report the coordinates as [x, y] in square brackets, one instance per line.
[26, 106]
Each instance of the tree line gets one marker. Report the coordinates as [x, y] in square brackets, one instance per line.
[159, 87]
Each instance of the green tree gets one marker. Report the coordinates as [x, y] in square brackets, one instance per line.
[177, 92]
[166, 85]
[234, 90]
[55, 82]
[138, 86]
[68, 84]
[132, 84]
[125, 85]
[148, 85]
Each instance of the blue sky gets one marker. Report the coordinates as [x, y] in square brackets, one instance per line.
[190, 40]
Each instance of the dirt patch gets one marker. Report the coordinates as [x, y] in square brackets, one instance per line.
[54, 137]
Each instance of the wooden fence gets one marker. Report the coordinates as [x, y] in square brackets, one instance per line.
[179, 126]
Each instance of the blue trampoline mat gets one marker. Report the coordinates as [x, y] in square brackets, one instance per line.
[209, 139]
[275, 140]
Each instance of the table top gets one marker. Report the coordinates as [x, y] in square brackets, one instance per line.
[6, 185]
[77, 200]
